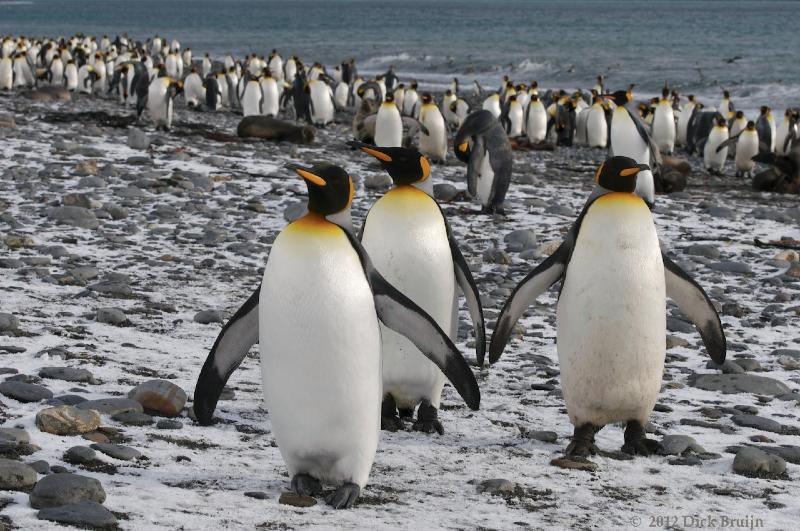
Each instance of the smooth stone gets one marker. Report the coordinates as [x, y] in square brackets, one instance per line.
[257, 494]
[727, 367]
[793, 353]
[137, 139]
[161, 396]
[678, 444]
[112, 406]
[208, 317]
[112, 316]
[445, 192]
[700, 249]
[79, 455]
[496, 486]
[69, 400]
[69, 374]
[118, 451]
[169, 424]
[738, 383]
[541, 435]
[377, 181]
[16, 435]
[132, 418]
[750, 461]
[8, 322]
[296, 500]
[731, 267]
[759, 423]
[90, 514]
[520, 240]
[67, 420]
[41, 467]
[15, 475]
[574, 464]
[74, 216]
[25, 392]
[56, 490]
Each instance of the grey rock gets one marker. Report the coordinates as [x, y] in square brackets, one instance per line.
[738, 383]
[41, 467]
[759, 423]
[67, 420]
[679, 444]
[750, 461]
[15, 475]
[445, 192]
[748, 364]
[56, 490]
[793, 353]
[137, 139]
[296, 500]
[8, 322]
[377, 181]
[520, 240]
[541, 435]
[118, 451]
[74, 216]
[208, 317]
[679, 325]
[69, 374]
[131, 418]
[69, 400]
[112, 316]
[169, 424]
[257, 494]
[731, 267]
[80, 455]
[160, 396]
[496, 486]
[25, 392]
[77, 200]
[721, 212]
[15, 435]
[112, 406]
[84, 514]
[112, 287]
[84, 273]
[727, 367]
[7, 121]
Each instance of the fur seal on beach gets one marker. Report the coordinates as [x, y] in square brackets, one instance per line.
[268, 128]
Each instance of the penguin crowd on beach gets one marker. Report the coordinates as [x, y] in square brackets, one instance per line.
[356, 327]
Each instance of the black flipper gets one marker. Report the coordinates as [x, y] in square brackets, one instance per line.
[655, 153]
[727, 143]
[232, 345]
[694, 302]
[470, 290]
[402, 315]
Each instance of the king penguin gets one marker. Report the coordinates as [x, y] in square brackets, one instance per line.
[412, 245]
[388, 124]
[629, 138]
[482, 143]
[434, 143]
[536, 127]
[611, 323]
[664, 124]
[316, 317]
[596, 126]
[713, 158]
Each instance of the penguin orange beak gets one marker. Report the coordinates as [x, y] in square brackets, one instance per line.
[370, 150]
[307, 174]
[463, 147]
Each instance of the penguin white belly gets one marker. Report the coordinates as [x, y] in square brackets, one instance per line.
[611, 320]
[251, 100]
[493, 106]
[596, 128]
[322, 113]
[626, 142]
[320, 354]
[388, 126]
[683, 124]
[271, 97]
[340, 95]
[57, 71]
[406, 238]
[780, 138]
[664, 128]
[6, 74]
[485, 181]
[537, 123]
[434, 144]
[157, 101]
[194, 93]
[746, 148]
[715, 160]
[71, 77]
[515, 118]
[410, 102]
[581, 135]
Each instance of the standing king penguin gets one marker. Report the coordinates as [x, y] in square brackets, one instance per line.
[316, 316]
[611, 323]
[412, 246]
[482, 143]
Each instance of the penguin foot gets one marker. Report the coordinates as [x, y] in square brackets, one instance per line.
[582, 444]
[306, 485]
[390, 421]
[344, 497]
[406, 413]
[428, 419]
[635, 441]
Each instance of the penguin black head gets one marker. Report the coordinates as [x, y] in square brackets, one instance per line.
[512, 98]
[739, 115]
[751, 125]
[764, 109]
[427, 98]
[405, 165]
[665, 92]
[389, 98]
[620, 97]
[330, 188]
[721, 121]
[414, 85]
[534, 97]
[618, 174]
[534, 84]
[448, 93]
[453, 105]
[726, 94]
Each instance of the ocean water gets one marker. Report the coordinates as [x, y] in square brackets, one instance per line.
[561, 44]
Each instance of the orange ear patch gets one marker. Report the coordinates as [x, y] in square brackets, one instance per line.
[597, 173]
[377, 154]
[307, 175]
[629, 171]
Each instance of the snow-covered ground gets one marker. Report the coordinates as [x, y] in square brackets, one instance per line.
[183, 249]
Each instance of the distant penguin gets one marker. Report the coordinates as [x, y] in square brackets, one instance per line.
[786, 132]
[411, 244]
[290, 69]
[737, 126]
[213, 100]
[713, 158]
[316, 316]
[411, 101]
[160, 101]
[610, 317]
[275, 65]
[596, 125]
[388, 124]
[482, 143]
[726, 108]
[86, 79]
[341, 95]
[206, 66]
[432, 144]
[449, 116]
[321, 102]
[399, 96]
[270, 103]
[71, 76]
[664, 124]
[460, 108]
[536, 129]
[683, 120]
[187, 58]
[251, 97]
[747, 147]
[629, 138]
[55, 72]
[513, 117]
[193, 91]
[492, 104]
[6, 73]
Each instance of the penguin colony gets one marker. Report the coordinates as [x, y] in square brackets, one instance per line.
[356, 329]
